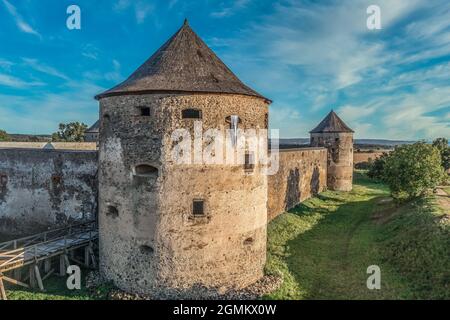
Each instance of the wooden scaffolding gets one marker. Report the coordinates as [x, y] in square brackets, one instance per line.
[36, 254]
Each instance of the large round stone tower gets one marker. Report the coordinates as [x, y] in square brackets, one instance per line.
[168, 227]
[333, 134]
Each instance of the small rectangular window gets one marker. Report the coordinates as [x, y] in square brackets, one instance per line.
[145, 111]
[198, 208]
[249, 161]
[191, 114]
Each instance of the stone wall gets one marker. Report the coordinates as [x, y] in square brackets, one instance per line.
[41, 189]
[302, 173]
[360, 157]
[56, 145]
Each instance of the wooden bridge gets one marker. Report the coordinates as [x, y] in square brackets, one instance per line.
[40, 252]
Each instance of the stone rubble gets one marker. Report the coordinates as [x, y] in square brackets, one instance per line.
[266, 285]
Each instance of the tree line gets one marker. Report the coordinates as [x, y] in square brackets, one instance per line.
[68, 132]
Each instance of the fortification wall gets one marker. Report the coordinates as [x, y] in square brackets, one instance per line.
[41, 189]
[360, 157]
[56, 145]
[302, 173]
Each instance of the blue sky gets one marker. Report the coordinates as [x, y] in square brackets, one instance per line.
[307, 56]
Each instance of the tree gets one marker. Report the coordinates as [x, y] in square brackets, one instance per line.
[4, 136]
[376, 168]
[442, 145]
[71, 132]
[410, 170]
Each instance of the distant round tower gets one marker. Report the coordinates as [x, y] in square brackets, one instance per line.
[333, 134]
[165, 227]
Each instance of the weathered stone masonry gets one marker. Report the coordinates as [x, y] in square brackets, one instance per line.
[302, 174]
[41, 189]
[155, 226]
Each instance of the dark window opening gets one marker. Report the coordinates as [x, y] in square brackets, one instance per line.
[145, 170]
[248, 241]
[3, 180]
[198, 208]
[112, 212]
[191, 114]
[249, 163]
[56, 179]
[145, 111]
[146, 249]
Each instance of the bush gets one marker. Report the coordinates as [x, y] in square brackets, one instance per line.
[442, 145]
[4, 136]
[71, 132]
[376, 167]
[365, 165]
[410, 170]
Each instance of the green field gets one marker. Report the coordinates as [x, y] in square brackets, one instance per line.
[323, 247]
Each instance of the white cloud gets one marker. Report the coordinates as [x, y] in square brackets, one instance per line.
[114, 75]
[14, 82]
[20, 22]
[6, 64]
[142, 9]
[352, 113]
[231, 9]
[122, 5]
[36, 65]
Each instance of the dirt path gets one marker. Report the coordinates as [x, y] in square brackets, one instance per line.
[443, 200]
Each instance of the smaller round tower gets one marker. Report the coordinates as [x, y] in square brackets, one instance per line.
[333, 134]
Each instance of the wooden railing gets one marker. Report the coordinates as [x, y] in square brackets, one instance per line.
[18, 252]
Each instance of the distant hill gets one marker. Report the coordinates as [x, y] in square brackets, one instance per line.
[359, 143]
[30, 137]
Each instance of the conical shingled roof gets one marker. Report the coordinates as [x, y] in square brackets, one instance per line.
[183, 64]
[331, 123]
[95, 128]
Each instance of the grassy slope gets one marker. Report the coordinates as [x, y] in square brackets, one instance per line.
[324, 246]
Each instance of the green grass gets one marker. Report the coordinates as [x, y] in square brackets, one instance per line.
[55, 289]
[323, 247]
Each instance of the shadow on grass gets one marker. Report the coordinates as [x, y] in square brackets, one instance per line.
[330, 260]
[324, 246]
